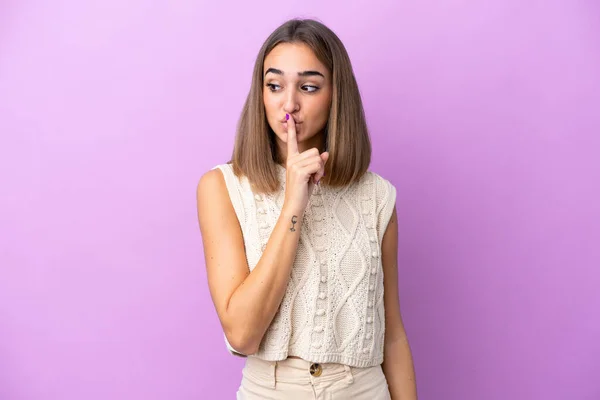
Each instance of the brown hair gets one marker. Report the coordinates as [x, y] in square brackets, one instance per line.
[346, 134]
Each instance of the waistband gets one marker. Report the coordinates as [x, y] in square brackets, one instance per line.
[296, 370]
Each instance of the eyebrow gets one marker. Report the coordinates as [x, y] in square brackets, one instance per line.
[303, 73]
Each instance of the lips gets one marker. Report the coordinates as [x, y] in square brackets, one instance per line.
[284, 121]
[298, 126]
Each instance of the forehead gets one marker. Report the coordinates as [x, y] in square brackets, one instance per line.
[293, 58]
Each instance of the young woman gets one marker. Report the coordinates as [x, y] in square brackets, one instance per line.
[300, 239]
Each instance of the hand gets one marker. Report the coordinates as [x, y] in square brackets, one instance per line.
[304, 170]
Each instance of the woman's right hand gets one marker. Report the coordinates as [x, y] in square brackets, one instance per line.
[303, 171]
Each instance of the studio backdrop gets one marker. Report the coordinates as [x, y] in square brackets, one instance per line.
[485, 115]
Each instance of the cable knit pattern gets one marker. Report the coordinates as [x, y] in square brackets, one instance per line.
[332, 310]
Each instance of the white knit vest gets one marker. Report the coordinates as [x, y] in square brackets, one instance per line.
[332, 310]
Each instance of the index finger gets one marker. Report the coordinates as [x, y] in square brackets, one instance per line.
[292, 142]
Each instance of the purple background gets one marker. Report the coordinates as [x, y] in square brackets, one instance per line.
[485, 115]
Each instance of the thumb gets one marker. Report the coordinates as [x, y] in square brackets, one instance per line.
[321, 172]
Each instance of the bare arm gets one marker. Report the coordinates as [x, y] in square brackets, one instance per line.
[398, 364]
[245, 302]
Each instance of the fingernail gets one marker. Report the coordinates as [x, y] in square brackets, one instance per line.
[287, 117]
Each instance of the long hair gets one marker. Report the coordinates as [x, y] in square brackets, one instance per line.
[346, 135]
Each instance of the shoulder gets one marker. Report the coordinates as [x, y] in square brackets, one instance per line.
[214, 204]
[382, 185]
[212, 186]
[384, 193]
[211, 179]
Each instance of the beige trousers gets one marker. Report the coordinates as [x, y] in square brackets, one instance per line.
[291, 379]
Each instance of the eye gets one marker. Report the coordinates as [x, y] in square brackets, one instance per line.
[273, 87]
[310, 88]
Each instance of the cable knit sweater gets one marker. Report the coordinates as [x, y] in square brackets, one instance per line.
[332, 310]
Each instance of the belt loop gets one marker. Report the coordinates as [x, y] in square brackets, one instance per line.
[273, 374]
[349, 375]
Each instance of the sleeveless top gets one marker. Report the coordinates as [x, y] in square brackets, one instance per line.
[332, 310]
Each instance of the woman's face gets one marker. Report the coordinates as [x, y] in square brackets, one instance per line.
[297, 83]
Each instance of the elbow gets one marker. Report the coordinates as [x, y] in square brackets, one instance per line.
[242, 341]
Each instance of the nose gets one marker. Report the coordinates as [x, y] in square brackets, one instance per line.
[292, 103]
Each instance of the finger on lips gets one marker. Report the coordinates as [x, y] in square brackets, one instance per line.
[292, 143]
[292, 147]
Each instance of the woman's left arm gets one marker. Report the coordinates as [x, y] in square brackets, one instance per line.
[398, 364]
